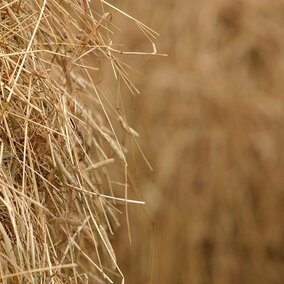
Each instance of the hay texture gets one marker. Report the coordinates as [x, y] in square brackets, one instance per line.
[57, 144]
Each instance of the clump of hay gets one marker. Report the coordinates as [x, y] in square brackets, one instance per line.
[57, 206]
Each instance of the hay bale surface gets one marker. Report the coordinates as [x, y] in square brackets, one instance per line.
[57, 143]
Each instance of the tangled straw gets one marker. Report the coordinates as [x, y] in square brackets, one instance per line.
[58, 146]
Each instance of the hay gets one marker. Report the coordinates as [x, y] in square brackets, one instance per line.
[57, 144]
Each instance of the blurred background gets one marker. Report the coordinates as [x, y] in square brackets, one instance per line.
[210, 118]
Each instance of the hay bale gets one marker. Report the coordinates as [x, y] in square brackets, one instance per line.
[213, 113]
[56, 199]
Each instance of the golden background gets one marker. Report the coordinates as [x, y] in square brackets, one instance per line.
[210, 117]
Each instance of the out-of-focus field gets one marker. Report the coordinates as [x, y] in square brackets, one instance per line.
[211, 120]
